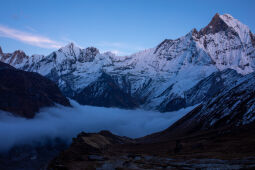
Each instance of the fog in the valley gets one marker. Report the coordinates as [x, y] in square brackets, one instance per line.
[65, 123]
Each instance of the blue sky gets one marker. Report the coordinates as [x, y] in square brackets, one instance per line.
[122, 26]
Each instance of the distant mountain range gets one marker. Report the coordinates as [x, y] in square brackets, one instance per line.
[212, 68]
[168, 77]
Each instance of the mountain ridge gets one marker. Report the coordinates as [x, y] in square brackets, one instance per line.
[24, 93]
[156, 75]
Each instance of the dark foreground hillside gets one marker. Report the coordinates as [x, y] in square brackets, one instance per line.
[24, 93]
[222, 149]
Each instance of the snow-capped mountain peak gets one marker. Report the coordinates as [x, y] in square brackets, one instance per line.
[73, 52]
[70, 45]
[159, 76]
[70, 50]
[229, 43]
[217, 24]
[242, 29]
[228, 23]
[88, 54]
[16, 59]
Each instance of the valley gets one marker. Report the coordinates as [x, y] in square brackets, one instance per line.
[187, 103]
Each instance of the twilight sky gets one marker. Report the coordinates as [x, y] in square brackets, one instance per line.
[121, 26]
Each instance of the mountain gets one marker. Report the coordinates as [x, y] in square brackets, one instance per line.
[105, 92]
[212, 67]
[18, 58]
[230, 109]
[219, 133]
[159, 78]
[24, 93]
[203, 90]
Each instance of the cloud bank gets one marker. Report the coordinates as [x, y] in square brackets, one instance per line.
[28, 38]
[65, 123]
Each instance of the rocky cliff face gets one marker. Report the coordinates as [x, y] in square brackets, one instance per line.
[105, 92]
[24, 93]
[229, 110]
[203, 90]
[161, 77]
[252, 39]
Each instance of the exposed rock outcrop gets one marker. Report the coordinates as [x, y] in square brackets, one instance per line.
[105, 92]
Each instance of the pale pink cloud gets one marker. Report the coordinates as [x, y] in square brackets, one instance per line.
[28, 38]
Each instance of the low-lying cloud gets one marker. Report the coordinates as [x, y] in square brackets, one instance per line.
[28, 38]
[65, 123]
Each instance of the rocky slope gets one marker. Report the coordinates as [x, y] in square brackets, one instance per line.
[232, 108]
[24, 93]
[159, 78]
[204, 151]
[218, 134]
[204, 89]
[105, 92]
